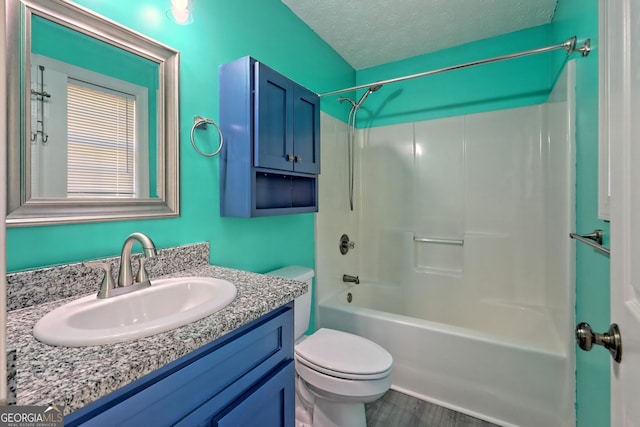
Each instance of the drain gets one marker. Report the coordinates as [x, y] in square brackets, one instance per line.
[349, 297]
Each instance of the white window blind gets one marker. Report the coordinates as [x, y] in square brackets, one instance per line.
[101, 145]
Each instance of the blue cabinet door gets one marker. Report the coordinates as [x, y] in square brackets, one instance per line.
[273, 121]
[306, 130]
[287, 123]
[270, 404]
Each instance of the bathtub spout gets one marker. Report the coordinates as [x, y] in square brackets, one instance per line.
[350, 279]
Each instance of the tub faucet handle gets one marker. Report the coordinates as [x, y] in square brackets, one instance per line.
[346, 244]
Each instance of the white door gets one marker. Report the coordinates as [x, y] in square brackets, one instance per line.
[620, 49]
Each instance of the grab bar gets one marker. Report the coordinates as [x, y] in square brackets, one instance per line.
[593, 239]
[440, 241]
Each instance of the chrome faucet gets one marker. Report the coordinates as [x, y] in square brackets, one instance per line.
[350, 279]
[149, 250]
[125, 283]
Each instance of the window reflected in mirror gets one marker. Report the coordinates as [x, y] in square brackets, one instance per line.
[91, 132]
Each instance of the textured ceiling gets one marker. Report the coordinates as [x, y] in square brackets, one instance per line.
[372, 32]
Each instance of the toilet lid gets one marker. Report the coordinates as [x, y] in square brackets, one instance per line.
[342, 352]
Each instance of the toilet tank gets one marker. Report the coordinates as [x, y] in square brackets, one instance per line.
[302, 304]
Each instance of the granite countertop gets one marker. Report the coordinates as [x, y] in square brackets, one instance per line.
[76, 376]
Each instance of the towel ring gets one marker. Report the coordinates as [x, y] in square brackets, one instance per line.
[201, 123]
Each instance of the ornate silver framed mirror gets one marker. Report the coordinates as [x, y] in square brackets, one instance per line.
[92, 118]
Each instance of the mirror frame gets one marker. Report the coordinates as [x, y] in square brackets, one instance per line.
[24, 211]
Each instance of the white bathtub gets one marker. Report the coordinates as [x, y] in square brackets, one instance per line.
[512, 373]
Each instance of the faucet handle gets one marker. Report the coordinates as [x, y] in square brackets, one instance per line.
[107, 281]
[142, 275]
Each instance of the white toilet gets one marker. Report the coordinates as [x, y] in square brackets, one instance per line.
[336, 372]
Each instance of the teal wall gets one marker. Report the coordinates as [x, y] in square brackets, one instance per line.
[592, 269]
[66, 45]
[500, 85]
[222, 31]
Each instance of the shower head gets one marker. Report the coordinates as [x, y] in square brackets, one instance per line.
[371, 89]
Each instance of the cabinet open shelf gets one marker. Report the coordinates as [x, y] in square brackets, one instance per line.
[278, 191]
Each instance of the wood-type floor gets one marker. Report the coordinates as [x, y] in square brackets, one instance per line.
[396, 409]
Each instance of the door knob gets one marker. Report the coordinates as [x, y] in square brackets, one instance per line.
[611, 340]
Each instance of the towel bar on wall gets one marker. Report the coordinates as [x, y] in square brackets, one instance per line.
[593, 239]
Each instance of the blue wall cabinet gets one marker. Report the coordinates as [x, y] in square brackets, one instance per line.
[271, 157]
[245, 378]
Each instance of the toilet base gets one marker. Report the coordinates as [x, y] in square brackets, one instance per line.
[315, 408]
[338, 414]
[304, 411]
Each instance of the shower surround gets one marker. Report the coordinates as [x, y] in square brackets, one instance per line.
[463, 224]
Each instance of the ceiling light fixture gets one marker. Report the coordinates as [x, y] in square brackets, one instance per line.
[180, 12]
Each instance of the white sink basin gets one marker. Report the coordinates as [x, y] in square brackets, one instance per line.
[165, 305]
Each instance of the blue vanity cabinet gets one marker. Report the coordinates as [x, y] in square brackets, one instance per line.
[271, 156]
[245, 378]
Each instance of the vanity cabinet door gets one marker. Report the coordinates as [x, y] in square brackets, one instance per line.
[271, 404]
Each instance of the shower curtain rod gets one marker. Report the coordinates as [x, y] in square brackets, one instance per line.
[569, 45]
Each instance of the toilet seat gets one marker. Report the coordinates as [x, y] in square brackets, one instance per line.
[341, 375]
[344, 355]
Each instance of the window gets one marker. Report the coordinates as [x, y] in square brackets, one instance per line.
[94, 129]
[101, 141]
